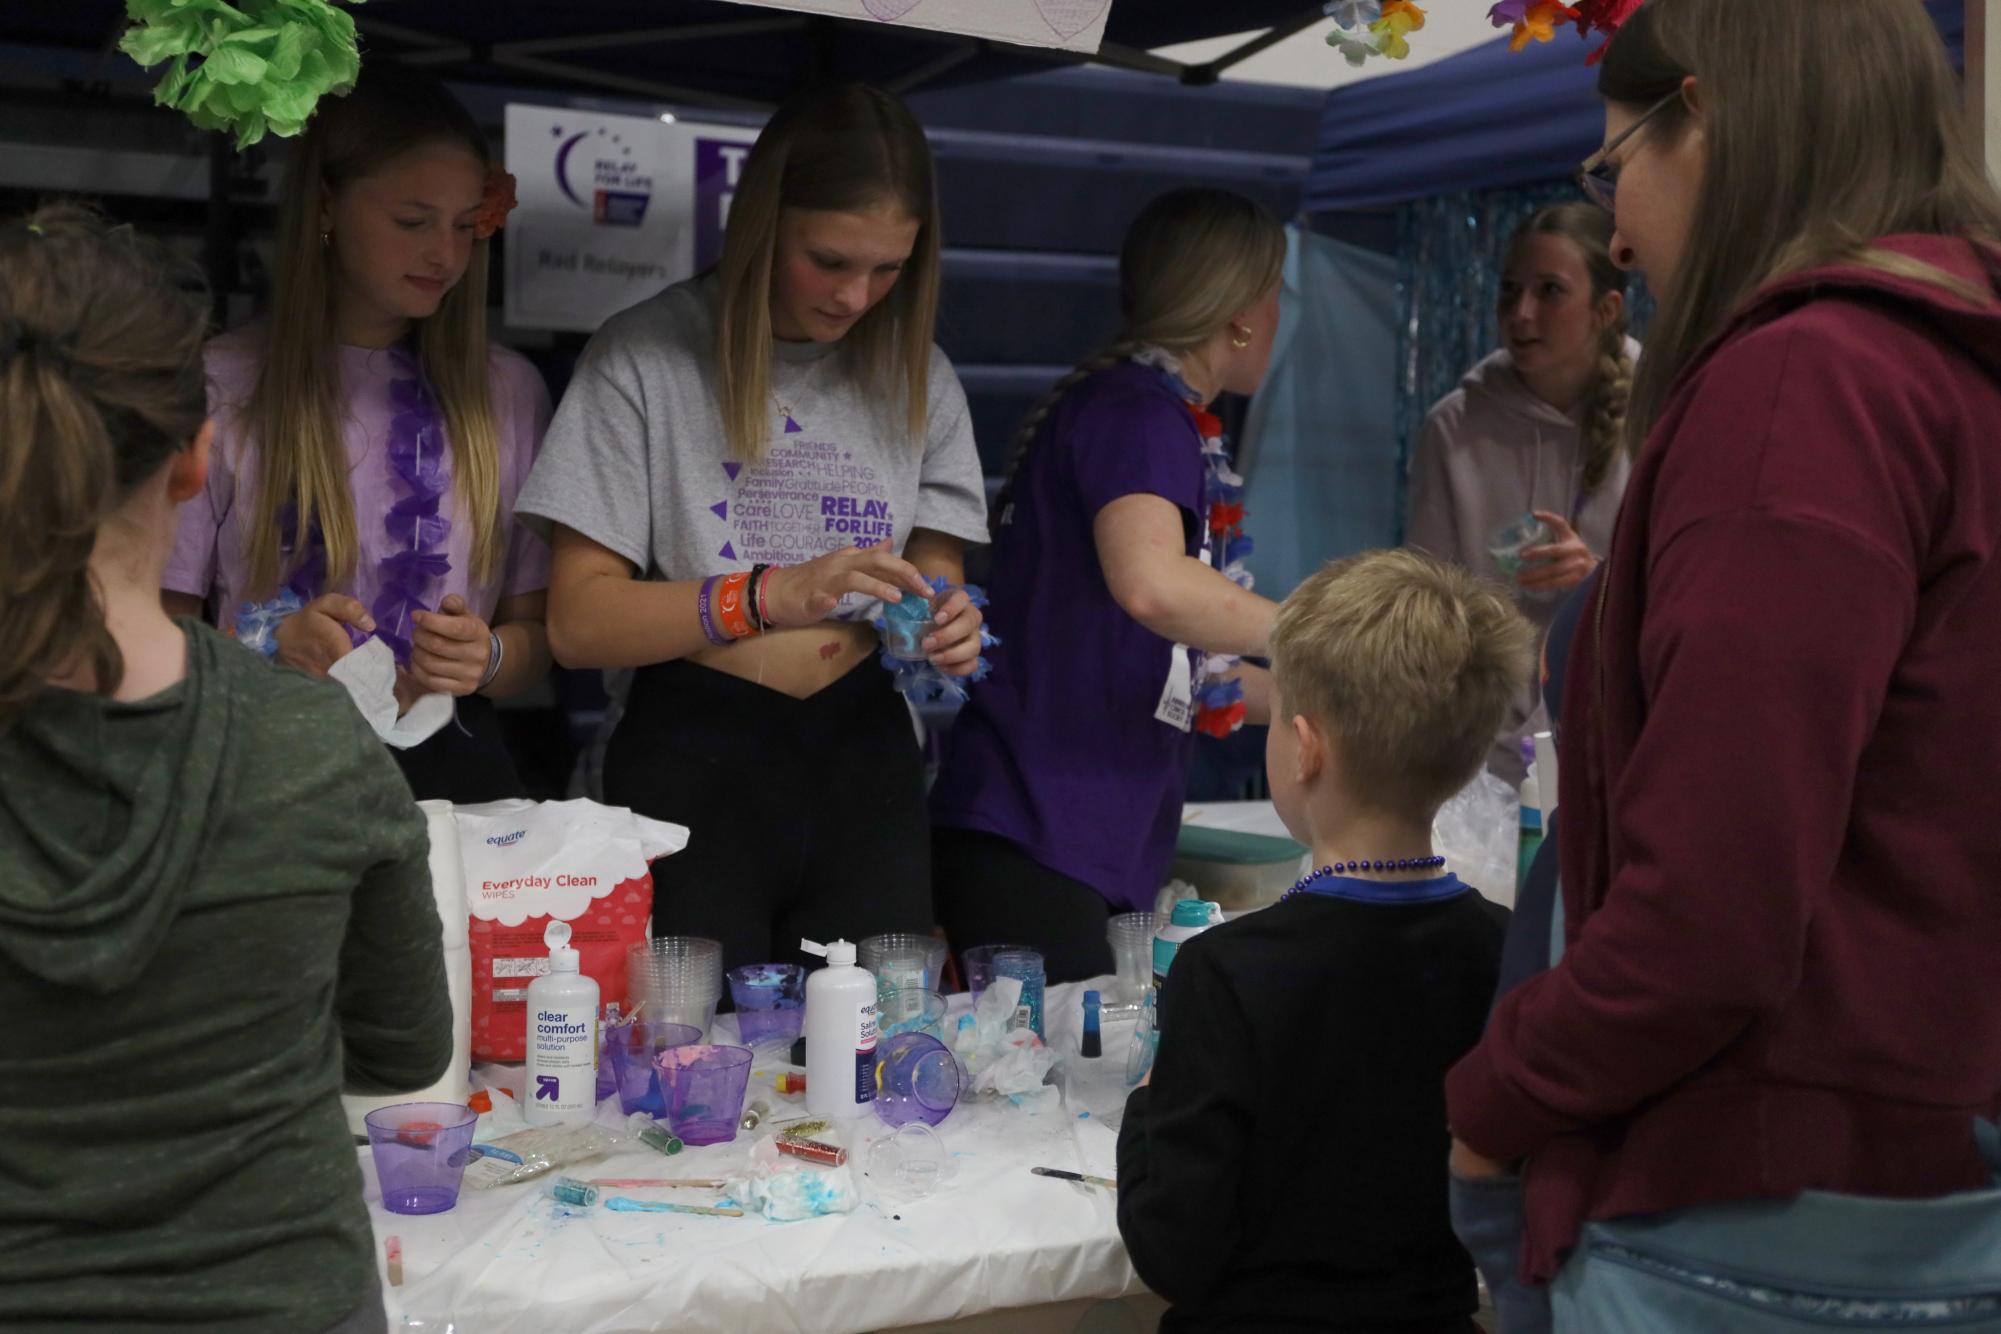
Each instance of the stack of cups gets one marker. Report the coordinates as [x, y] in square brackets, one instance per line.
[676, 979]
[1131, 935]
[902, 961]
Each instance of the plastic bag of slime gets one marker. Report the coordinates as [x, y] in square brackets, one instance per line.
[528, 1154]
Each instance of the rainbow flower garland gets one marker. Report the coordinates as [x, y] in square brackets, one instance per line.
[1367, 28]
[1219, 700]
[1538, 20]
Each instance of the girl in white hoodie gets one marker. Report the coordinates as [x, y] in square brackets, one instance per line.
[1535, 428]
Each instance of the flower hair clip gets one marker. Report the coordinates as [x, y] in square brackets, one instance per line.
[495, 204]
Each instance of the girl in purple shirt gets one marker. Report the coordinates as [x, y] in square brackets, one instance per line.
[1063, 779]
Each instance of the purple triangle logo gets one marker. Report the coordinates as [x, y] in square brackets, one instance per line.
[792, 427]
[721, 509]
[728, 552]
[732, 469]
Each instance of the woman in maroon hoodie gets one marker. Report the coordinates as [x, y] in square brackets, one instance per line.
[1772, 1047]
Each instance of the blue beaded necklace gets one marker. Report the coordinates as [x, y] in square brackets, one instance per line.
[1335, 882]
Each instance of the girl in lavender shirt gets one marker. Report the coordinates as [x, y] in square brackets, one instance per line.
[370, 442]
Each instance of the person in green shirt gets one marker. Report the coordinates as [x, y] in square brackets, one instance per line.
[215, 908]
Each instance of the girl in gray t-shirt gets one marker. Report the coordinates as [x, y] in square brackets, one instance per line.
[743, 468]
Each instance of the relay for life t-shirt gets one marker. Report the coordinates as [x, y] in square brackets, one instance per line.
[636, 458]
[1063, 749]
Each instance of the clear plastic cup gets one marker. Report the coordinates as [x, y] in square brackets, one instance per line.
[632, 1050]
[676, 979]
[904, 626]
[911, 1012]
[916, 1079]
[1131, 937]
[978, 965]
[903, 961]
[420, 1151]
[703, 1086]
[770, 1001]
[1515, 537]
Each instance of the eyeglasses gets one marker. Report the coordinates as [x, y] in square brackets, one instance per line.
[1600, 184]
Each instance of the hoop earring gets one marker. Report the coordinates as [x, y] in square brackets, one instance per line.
[1240, 342]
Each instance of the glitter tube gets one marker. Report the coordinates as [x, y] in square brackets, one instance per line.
[813, 1151]
[568, 1190]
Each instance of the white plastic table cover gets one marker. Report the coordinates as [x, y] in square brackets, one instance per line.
[992, 1238]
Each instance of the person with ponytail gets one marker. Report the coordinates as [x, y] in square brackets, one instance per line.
[1758, 1090]
[371, 441]
[190, 972]
[1538, 427]
[743, 469]
[1064, 777]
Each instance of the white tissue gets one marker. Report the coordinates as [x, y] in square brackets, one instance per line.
[369, 673]
[448, 885]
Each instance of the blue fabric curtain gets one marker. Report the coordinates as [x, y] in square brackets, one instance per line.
[1319, 481]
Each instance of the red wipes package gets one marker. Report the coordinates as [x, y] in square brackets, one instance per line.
[527, 862]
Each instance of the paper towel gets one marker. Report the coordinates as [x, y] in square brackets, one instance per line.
[448, 884]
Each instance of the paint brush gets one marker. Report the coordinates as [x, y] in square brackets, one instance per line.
[1062, 1175]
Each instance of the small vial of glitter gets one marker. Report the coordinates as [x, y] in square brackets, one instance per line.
[813, 1151]
[789, 1081]
[753, 1115]
[656, 1136]
[568, 1190]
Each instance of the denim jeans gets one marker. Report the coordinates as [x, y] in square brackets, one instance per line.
[1819, 1261]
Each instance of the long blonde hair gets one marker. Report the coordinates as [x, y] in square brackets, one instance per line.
[1589, 228]
[1826, 126]
[840, 148]
[100, 384]
[1193, 260]
[295, 411]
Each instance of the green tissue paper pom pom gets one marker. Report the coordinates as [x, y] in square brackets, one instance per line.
[246, 67]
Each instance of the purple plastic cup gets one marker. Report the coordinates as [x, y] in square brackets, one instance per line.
[420, 1152]
[916, 1079]
[978, 964]
[703, 1086]
[770, 1000]
[632, 1050]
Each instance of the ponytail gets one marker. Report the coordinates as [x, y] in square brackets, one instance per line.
[100, 383]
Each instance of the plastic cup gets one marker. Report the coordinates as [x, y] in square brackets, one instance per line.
[420, 1152]
[911, 1012]
[912, 1163]
[675, 979]
[703, 1086]
[904, 626]
[978, 964]
[1025, 966]
[1131, 937]
[916, 1079]
[903, 961]
[1516, 537]
[770, 1000]
[632, 1049]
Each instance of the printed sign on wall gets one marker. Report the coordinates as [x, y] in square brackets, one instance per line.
[611, 210]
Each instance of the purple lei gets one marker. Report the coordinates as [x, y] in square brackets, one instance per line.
[417, 531]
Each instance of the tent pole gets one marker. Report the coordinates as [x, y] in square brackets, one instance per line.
[1983, 79]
